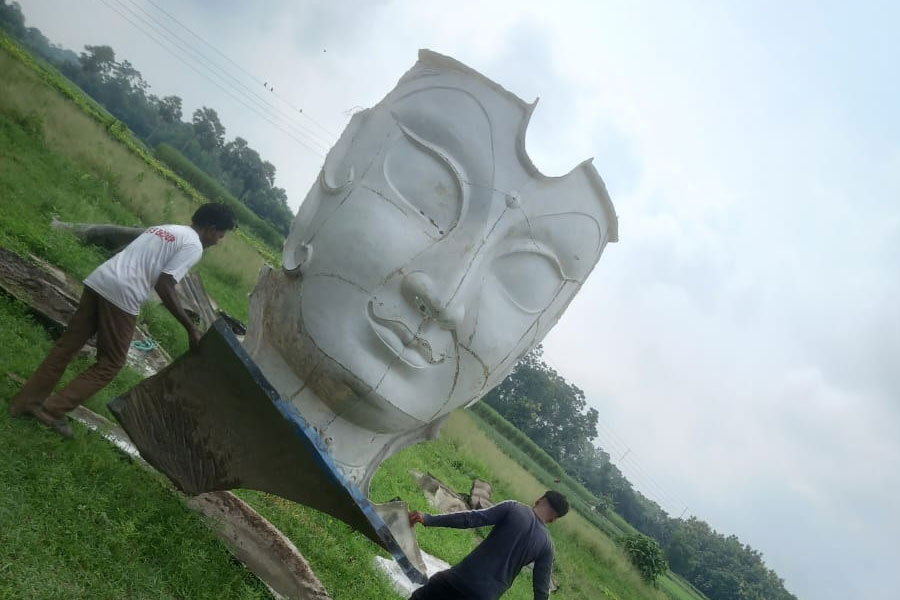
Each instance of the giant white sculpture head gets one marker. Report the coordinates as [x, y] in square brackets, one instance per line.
[430, 256]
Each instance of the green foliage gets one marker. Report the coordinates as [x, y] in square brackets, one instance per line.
[255, 178]
[121, 133]
[167, 331]
[547, 408]
[38, 184]
[208, 129]
[12, 19]
[720, 566]
[35, 185]
[213, 190]
[519, 447]
[518, 438]
[645, 554]
[122, 90]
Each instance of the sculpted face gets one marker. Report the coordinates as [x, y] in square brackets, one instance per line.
[431, 255]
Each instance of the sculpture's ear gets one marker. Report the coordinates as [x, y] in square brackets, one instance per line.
[338, 172]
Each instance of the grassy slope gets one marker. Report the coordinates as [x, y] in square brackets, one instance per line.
[611, 523]
[83, 518]
[79, 521]
[139, 195]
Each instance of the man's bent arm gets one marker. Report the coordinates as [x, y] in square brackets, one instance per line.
[470, 518]
[165, 287]
[541, 576]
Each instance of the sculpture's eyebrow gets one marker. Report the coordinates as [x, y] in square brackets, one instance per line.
[454, 123]
[444, 155]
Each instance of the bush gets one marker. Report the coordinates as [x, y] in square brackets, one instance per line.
[645, 554]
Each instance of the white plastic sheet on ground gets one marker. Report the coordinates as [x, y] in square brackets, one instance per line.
[404, 586]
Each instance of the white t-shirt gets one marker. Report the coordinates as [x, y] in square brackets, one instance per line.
[127, 278]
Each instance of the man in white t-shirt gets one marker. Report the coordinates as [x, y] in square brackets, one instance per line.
[157, 259]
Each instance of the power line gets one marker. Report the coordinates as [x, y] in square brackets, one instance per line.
[325, 130]
[643, 485]
[222, 77]
[648, 481]
[225, 77]
[610, 439]
[302, 142]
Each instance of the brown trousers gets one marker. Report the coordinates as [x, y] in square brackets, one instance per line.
[94, 315]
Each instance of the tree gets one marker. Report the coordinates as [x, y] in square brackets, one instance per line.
[604, 504]
[98, 60]
[169, 108]
[208, 129]
[12, 19]
[645, 554]
[130, 79]
[168, 112]
[546, 407]
[244, 166]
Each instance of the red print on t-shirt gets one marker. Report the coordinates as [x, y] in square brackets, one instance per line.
[162, 233]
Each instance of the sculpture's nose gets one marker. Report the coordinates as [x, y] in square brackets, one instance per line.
[439, 305]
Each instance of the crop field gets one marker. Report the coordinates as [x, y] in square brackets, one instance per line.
[79, 520]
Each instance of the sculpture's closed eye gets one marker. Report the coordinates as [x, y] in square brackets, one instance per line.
[530, 279]
[434, 194]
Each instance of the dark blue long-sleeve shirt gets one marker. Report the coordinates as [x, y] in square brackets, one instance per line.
[518, 538]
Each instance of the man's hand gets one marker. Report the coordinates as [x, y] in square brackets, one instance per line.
[165, 287]
[416, 517]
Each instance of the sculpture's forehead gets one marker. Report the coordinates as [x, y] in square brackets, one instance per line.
[480, 130]
[471, 130]
[481, 127]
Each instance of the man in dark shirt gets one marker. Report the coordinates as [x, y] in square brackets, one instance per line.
[518, 538]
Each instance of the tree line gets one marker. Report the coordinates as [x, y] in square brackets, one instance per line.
[554, 414]
[121, 89]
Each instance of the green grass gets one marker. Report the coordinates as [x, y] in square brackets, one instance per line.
[610, 523]
[677, 588]
[76, 129]
[31, 82]
[80, 521]
[588, 564]
[580, 498]
[37, 183]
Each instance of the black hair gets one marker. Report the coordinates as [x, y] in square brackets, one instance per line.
[558, 502]
[214, 214]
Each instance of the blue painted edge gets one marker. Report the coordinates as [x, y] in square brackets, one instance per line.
[325, 462]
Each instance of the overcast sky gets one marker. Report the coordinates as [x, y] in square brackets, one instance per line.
[742, 340]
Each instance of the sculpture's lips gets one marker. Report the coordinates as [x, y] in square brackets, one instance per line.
[412, 349]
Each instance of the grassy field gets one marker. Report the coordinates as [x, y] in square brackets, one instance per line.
[580, 498]
[111, 170]
[79, 521]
